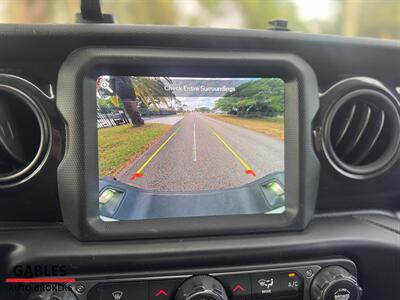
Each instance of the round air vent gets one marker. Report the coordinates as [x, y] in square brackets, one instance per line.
[23, 136]
[361, 133]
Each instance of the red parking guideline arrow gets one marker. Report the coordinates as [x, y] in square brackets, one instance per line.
[250, 172]
[136, 175]
[161, 292]
[238, 287]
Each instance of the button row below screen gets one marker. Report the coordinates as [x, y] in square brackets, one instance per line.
[268, 285]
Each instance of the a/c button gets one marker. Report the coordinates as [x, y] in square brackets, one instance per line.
[291, 284]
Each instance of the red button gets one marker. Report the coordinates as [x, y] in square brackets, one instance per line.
[163, 289]
[238, 287]
[162, 293]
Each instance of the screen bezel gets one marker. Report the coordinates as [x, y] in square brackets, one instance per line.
[78, 172]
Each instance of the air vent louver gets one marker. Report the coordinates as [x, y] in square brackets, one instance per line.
[361, 133]
[23, 136]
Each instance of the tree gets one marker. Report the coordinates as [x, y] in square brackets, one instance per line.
[202, 109]
[123, 89]
[152, 91]
[375, 18]
[372, 18]
[143, 11]
[264, 95]
[136, 92]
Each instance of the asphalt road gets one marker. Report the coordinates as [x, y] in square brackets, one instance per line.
[201, 153]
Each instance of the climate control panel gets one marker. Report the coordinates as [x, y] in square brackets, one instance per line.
[263, 285]
[317, 280]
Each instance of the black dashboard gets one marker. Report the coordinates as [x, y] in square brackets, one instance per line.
[345, 226]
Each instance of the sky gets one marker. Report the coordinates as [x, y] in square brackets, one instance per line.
[315, 9]
[203, 99]
[194, 99]
[195, 102]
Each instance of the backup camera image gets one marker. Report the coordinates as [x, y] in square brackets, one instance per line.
[181, 136]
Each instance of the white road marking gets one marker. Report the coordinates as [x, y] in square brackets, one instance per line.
[194, 142]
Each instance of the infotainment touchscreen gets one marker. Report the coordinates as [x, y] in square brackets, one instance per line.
[184, 147]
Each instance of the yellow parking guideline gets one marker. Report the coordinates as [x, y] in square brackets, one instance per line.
[139, 172]
[248, 169]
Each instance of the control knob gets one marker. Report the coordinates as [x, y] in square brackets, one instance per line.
[201, 288]
[335, 283]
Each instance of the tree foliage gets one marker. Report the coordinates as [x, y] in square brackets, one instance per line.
[151, 91]
[202, 109]
[110, 102]
[264, 95]
[373, 18]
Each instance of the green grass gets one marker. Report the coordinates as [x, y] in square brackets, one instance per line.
[121, 145]
[270, 126]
